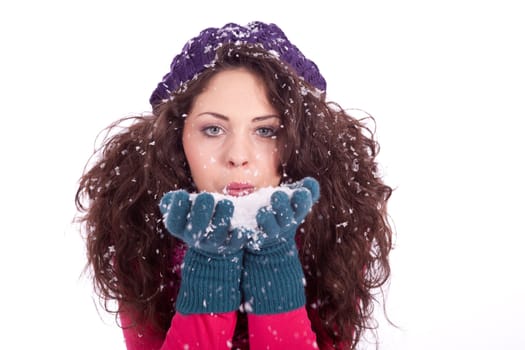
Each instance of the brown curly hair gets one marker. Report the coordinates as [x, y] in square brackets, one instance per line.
[344, 243]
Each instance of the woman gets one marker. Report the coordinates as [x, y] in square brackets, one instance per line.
[241, 109]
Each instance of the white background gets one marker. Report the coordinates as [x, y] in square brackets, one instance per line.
[445, 81]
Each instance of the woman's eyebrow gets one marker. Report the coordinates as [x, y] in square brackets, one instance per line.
[213, 114]
[265, 117]
[223, 117]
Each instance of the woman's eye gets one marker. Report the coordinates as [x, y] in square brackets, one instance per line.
[212, 130]
[265, 132]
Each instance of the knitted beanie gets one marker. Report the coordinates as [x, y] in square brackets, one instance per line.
[199, 53]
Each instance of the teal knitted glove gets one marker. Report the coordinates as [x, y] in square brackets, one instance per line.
[273, 279]
[212, 265]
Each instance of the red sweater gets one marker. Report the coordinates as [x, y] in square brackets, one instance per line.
[289, 330]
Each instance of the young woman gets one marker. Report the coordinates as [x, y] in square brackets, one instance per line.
[241, 110]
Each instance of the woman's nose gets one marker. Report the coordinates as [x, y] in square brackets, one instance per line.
[239, 151]
[235, 163]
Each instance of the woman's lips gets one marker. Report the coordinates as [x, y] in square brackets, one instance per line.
[238, 189]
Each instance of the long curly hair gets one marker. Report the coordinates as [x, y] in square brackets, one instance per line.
[344, 243]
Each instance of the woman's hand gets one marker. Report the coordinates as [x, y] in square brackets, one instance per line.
[273, 279]
[211, 273]
[202, 225]
[279, 222]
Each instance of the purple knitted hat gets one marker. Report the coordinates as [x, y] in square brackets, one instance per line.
[200, 53]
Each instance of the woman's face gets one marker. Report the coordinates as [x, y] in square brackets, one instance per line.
[229, 136]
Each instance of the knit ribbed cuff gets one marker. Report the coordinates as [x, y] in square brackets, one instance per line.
[273, 280]
[209, 284]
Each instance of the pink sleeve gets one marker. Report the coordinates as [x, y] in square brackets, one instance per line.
[288, 330]
[203, 331]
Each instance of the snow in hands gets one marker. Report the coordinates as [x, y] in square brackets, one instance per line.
[246, 207]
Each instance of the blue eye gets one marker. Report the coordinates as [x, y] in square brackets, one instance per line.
[265, 132]
[212, 130]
